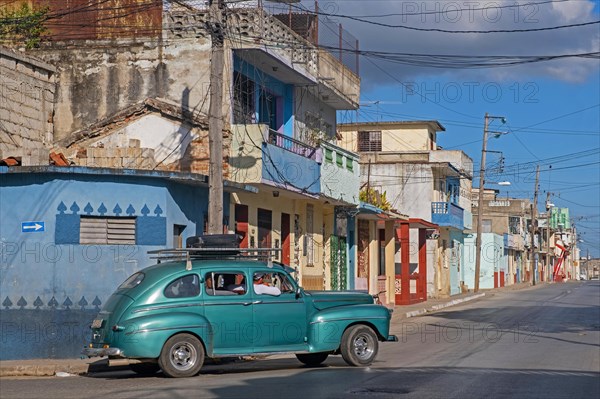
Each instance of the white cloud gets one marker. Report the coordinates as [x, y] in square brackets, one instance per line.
[554, 42]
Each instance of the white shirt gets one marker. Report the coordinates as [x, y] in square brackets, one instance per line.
[265, 289]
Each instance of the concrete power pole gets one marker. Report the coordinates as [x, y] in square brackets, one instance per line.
[533, 215]
[548, 208]
[215, 120]
[480, 205]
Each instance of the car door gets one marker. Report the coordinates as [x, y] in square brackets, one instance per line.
[280, 320]
[229, 311]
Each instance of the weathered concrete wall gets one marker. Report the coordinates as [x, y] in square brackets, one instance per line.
[409, 187]
[27, 87]
[99, 78]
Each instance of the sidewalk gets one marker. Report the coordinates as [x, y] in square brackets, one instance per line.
[70, 367]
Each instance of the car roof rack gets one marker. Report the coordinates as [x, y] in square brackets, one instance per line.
[189, 254]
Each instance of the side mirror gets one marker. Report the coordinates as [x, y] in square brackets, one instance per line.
[298, 292]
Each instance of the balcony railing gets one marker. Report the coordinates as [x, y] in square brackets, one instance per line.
[447, 214]
[287, 143]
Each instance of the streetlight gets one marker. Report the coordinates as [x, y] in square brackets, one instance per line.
[481, 190]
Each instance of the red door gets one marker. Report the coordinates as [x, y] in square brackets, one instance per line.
[285, 239]
[241, 223]
[264, 228]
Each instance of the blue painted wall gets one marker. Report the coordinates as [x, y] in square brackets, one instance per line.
[51, 286]
[264, 81]
[493, 259]
[294, 171]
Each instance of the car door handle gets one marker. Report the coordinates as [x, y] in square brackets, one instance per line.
[252, 303]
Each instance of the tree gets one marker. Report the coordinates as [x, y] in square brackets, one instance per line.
[24, 25]
[374, 197]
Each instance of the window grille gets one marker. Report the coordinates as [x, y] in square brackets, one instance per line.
[369, 141]
[243, 99]
[514, 224]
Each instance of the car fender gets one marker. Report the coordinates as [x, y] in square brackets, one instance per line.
[144, 336]
[326, 327]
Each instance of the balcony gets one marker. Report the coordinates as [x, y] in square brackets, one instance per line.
[447, 214]
[292, 145]
[340, 175]
[298, 62]
[259, 155]
[513, 241]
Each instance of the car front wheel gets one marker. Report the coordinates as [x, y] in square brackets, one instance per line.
[312, 359]
[359, 345]
[181, 356]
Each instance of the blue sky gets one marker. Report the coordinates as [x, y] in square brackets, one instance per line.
[552, 108]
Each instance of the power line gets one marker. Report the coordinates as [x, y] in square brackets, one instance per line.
[449, 11]
[381, 24]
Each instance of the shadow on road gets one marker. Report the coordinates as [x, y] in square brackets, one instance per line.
[345, 382]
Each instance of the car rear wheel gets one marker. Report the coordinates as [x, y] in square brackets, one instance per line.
[181, 356]
[312, 359]
[145, 368]
[359, 345]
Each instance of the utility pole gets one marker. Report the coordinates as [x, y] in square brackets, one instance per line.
[215, 120]
[548, 208]
[481, 191]
[533, 215]
[480, 205]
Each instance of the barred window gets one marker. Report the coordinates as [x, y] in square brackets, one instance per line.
[369, 141]
[106, 230]
[514, 224]
[243, 99]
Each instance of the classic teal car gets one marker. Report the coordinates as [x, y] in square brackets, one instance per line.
[172, 315]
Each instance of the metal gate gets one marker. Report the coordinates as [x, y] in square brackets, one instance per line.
[338, 263]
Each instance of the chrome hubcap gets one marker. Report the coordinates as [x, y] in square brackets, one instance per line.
[183, 356]
[363, 346]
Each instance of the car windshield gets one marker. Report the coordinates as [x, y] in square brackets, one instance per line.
[133, 281]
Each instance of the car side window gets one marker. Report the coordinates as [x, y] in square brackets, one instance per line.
[282, 282]
[272, 283]
[225, 283]
[183, 287]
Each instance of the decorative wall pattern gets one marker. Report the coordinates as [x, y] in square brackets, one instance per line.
[150, 230]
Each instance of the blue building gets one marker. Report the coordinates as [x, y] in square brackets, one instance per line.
[71, 235]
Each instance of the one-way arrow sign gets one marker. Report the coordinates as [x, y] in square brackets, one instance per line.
[32, 227]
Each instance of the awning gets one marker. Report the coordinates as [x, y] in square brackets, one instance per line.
[368, 211]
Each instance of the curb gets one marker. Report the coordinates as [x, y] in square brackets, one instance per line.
[46, 370]
[61, 368]
[434, 308]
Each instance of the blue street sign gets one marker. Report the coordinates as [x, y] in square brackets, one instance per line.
[32, 227]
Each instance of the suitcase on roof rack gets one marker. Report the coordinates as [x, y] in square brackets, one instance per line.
[214, 241]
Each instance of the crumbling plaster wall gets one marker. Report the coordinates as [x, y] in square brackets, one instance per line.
[99, 78]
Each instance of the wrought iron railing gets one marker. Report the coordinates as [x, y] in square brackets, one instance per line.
[447, 213]
[287, 143]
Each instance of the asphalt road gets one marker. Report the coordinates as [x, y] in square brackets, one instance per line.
[541, 342]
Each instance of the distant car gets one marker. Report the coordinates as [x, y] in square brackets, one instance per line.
[583, 277]
[172, 315]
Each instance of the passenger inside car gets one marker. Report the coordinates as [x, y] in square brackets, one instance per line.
[215, 285]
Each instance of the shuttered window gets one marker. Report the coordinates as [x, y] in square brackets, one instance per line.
[106, 230]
